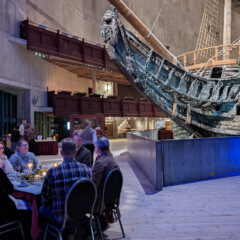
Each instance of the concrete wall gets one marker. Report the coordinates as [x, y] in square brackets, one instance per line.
[185, 160]
[144, 152]
[151, 134]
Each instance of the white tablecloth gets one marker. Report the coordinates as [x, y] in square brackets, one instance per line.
[31, 188]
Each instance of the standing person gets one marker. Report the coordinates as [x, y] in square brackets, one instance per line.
[28, 132]
[21, 127]
[103, 164]
[83, 155]
[4, 163]
[15, 137]
[30, 136]
[89, 138]
[59, 180]
[98, 132]
[22, 157]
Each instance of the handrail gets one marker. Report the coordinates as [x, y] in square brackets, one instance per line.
[66, 33]
[218, 46]
[195, 59]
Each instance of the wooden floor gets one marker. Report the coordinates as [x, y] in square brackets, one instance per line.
[204, 210]
[207, 210]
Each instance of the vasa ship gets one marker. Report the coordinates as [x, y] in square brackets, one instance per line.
[204, 107]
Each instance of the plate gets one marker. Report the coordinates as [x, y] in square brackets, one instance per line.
[21, 185]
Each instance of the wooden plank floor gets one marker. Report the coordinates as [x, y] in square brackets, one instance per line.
[207, 210]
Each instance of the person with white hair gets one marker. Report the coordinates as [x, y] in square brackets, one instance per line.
[103, 164]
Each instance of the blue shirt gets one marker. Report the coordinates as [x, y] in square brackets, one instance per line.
[57, 183]
[20, 161]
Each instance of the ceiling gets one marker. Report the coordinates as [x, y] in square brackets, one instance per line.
[87, 71]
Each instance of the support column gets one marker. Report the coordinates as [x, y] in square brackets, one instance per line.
[115, 89]
[28, 112]
[94, 81]
[1, 113]
[227, 24]
[115, 128]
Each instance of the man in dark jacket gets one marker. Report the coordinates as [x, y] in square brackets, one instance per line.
[104, 163]
[83, 155]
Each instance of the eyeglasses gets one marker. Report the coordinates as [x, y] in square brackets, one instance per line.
[24, 145]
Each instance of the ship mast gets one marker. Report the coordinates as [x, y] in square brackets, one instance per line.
[143, 30]
[227, 22]
[227, 25]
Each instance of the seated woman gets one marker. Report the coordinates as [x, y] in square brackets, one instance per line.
[4, 163]
[22, 157]
[8, 210]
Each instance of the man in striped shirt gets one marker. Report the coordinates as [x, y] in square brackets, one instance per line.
[59, 180]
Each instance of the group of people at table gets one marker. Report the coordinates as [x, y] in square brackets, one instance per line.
[77, 164]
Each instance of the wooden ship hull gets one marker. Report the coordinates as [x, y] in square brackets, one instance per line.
[204, 107]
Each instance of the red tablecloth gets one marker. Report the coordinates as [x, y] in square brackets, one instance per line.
[46, 148]
[33, 199]
[165, 134]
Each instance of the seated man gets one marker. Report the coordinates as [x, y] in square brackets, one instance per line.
[59, 180]
[83, 155]
[22, 157]
[104, 163]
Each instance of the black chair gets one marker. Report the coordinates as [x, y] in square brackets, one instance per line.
[111, 196]
[11, 226]
[79, 202]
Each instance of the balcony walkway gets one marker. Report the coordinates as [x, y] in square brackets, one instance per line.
[67, 105]
[207, 210]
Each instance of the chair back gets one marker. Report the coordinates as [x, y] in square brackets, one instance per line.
[112, 189]
[80, 200]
